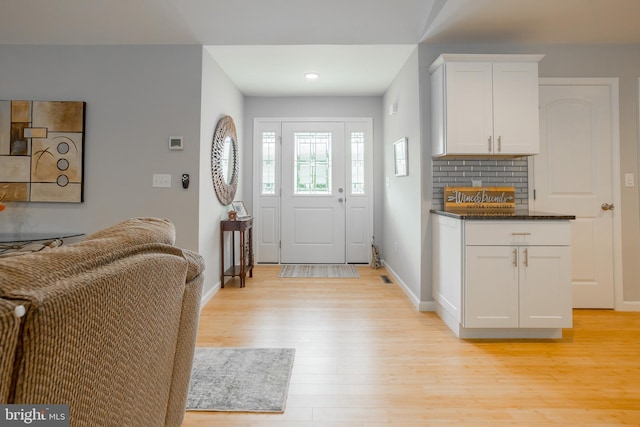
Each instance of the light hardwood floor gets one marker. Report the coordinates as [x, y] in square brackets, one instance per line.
[366, 358]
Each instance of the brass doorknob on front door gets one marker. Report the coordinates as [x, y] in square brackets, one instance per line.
[607, 207]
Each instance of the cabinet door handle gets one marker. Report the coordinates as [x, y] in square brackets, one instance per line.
[515, 257]
[526, 257]
[499, 144]
[521, 234]
[489, 144]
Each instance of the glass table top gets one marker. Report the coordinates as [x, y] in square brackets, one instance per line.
[35, 237]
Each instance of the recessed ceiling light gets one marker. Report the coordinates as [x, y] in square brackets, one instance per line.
[311, 76]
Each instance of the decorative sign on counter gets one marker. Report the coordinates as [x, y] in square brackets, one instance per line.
[480, 199]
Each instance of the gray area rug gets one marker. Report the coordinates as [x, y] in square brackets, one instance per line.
[240, 379]
[319, 270]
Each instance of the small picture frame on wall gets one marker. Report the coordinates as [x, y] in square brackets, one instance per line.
[175, 143]
[401, 165]
[240, 208]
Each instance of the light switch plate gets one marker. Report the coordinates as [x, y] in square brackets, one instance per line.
[628, 180]
[161, 180]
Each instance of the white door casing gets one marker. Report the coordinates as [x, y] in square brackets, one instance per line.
[575, 174]
[271, 226]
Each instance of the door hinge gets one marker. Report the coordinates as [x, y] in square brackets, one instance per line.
[534, 194]
[280, 244]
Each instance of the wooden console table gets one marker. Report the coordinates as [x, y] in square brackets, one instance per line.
[244, 228]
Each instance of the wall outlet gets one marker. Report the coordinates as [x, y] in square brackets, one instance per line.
[161, 180]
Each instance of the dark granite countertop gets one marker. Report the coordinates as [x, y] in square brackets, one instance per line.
[520, 215]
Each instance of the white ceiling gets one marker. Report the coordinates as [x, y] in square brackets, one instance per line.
[357, 46]
[344, 69]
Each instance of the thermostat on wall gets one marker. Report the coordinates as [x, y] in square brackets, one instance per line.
[175, 143]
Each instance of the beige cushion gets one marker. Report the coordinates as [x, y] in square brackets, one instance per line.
[9, 332]
[110, 324]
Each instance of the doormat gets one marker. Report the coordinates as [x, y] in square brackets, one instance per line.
[345, 271]
[240, 379]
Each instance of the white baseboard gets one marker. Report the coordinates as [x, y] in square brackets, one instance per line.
[206, 297]
[427, 306]
[415, 300]
[629, 306]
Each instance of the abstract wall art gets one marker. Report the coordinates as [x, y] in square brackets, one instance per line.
[42, 151]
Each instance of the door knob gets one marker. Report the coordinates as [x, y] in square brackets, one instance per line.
[607, 207]
[340, 200]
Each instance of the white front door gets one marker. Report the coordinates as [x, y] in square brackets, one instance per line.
[573, 174]
[313, 225]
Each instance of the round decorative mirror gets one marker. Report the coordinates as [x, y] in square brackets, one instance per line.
[224, 160]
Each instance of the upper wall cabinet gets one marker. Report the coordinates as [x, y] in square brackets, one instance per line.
[484, 105]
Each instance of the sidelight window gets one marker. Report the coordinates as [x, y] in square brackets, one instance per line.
[357, 162]
[268, 163]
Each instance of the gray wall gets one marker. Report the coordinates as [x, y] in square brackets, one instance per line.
[402, 245]
[219, 98]
[137, 96]
[317, 106]
[620, 61]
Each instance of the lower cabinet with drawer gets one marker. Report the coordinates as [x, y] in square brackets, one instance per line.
[502, 278]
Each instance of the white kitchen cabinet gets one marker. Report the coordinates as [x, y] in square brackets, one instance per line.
[502, 278]
[484, 105]
[517, 287]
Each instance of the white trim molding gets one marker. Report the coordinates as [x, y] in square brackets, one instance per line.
[270, 251]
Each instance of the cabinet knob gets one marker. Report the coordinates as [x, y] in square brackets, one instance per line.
[607, 207]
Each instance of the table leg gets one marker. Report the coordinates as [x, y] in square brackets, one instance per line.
[243, 260]
[251, 252]
[221, 259]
